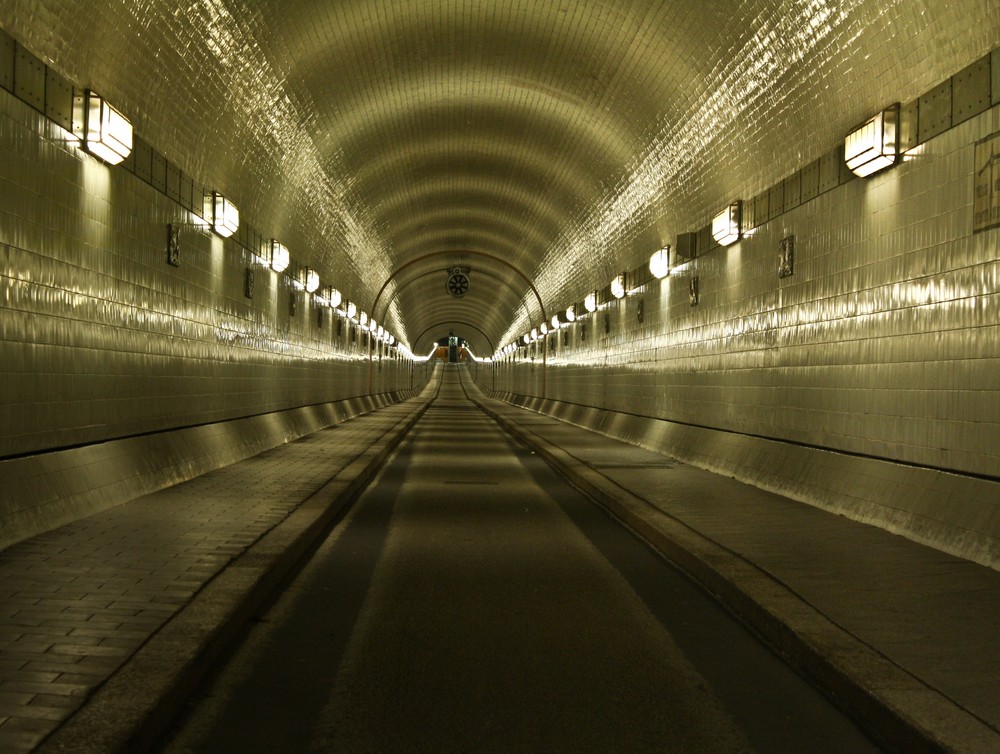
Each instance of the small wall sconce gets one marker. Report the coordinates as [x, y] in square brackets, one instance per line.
[312, 280]
[223, 215]
[571, 314]
[659, 263]
[726, 225]
[526, 338]
[352, 309]
[618, 286]
[543, 329]
[333, 297]
[590, 302]
[102, 129]
[874, 145]
[534, 334]
[363, 319]
[279, 257]
[555, 322]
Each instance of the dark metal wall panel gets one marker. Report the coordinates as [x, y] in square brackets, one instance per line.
[29, 79]
[810, 181]
[971, 91]
[829, 171]
[776, 200]
[58, 99]
[935, 111]
[793, 191]
[6, 61]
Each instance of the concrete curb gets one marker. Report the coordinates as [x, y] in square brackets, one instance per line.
[897, 709]
[136, 705]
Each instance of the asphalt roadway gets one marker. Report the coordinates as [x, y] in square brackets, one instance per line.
[473, 601]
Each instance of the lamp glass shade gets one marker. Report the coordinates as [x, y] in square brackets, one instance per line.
[352, 309]
[107, 133]
[590, 302]
[618, 286]
[726, 225]
[224, 214]
[874, 145]
[363, 319]
[312, 280]
[334, 297]
[279, 257]
[659, 263]
[571, 314]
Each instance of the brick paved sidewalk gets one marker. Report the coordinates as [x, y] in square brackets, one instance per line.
[77, 602]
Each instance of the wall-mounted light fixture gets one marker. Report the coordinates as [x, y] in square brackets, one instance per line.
[102, 129]
[726, 225]
[571, 314]
[333, 297]
[659, 263]
[363, 319]
[618, 286]
[590, 302]
[527, 338]
[534, 333]
[311, 280]
[556, 324]
[279, 256]
[222, 214]
[543, 328]
[874, 145]
[352, 309]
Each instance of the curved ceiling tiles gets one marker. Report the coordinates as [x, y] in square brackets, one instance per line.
[567, 138]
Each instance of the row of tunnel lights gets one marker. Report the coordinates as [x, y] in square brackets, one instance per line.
[108, 135]
[868, 148]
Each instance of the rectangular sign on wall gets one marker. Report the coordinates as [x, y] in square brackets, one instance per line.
[986, 206]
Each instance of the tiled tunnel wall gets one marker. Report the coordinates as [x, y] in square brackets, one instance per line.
[106, 348]
[883, 346]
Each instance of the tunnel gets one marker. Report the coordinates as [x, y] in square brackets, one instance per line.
[728, 269]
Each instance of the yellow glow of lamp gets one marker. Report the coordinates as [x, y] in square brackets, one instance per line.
[224, 216]
[279, 257]
[107, 133]
[874, 145]
[726, 225]
[312, 280]
[659, 263]
[618, 286]
[590, 302]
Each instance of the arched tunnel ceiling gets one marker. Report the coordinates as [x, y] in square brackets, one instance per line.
[569, 139]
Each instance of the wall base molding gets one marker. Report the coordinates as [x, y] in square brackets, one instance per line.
[41, 492]
[951, 512]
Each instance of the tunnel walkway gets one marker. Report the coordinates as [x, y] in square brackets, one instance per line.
[474, 601]
[110, 623]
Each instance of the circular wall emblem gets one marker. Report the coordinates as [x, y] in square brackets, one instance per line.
[458, 284]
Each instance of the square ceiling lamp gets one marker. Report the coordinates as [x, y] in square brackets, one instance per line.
[874, 145]
[223, 215]
[659, 263]
[726, 225]
[311, 280]
[279, 257]
[107, 133]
